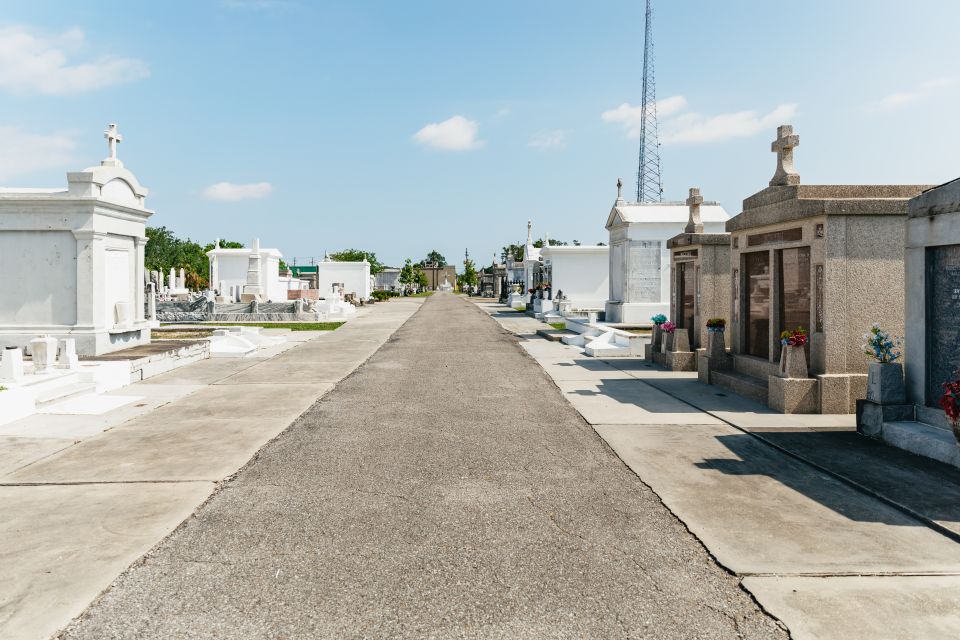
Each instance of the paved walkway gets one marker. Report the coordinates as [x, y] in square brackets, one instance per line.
[837, 536]
[445, 489]
[84, 496]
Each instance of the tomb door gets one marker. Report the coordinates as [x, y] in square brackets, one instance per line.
[794, 286]
[756, 292]
[943, 318]
[686, 280]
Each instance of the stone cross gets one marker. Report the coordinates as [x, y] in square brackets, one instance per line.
[694, 223]
[529, 232]
[619, 190]
[783, 146]
[113, 137]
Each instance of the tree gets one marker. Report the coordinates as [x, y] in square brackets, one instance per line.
[434, 256]
[576, 243]
[165, 251]
[357, 255]
[420, 278]
[512, 251]
[406, 274]
[469, 276]
[553, 243]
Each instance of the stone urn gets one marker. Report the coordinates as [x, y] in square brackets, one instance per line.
[885, 384]
[657, 337]
[716, 345]
[681, 341]
[793, 362]
[666, 342]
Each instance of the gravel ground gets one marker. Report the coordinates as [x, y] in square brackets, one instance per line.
[444, 490]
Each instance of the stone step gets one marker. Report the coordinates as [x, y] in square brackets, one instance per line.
[69, 390]
[744, 385]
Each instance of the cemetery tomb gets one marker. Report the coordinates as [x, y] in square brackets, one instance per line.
[827, 259]
[352, 277]
[75, 259]
[639, 267]
[700, 263]
[250, 273]
[931, 352]
[580, 274]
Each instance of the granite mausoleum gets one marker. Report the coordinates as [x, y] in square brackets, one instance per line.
[827, 259]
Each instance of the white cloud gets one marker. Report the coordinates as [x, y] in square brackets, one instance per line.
[694, 127]
[23, 152]
[545, 140]
[679, 126]
[899, 99]
[631, 117]
[33, 63]
[454, 134]
[232, 192]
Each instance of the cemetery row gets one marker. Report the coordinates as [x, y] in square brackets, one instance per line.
[80, 311]
[834, 299]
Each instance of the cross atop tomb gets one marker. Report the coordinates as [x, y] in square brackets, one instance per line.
[694, 223]
[113, 137]
[619, 190]
[529, 231]
[783, 146]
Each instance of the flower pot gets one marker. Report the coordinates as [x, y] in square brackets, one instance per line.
[667, 342]
[681, 341]
[657, 338]
[793, 362]
[885, 383]
[717, 347]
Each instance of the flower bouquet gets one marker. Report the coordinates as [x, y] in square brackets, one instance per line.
[659, 319]
[880, 346]
[950, 402]
[668, 326]
[716, 325]
[795, 338]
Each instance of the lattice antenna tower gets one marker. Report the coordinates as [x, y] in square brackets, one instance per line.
[649, 187]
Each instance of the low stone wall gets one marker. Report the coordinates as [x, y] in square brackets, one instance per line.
[201, 310]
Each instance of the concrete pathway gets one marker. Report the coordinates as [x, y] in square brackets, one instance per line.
[83, 496]
[828, 559]
[445, 489]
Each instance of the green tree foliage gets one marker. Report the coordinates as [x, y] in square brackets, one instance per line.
[469, 276]
[357, 255]
[420, 278]
[512, 251]
[553, 243]
[407, 275]
[165, 250]
[434, 256]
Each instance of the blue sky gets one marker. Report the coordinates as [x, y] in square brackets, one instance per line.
[401, 127]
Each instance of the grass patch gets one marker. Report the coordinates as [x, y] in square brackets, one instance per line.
[422, 294]
[559, 325]
[293, 326]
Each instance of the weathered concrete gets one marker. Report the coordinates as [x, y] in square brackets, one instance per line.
[761, 511]
[392, 510]
[144, 467]
[901, 607]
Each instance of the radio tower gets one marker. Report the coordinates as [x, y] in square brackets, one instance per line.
[649, 188]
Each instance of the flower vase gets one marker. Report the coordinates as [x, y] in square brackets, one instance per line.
[793, 362]
[657, 338]
[666, 343]
[718, 347]
[885, 383]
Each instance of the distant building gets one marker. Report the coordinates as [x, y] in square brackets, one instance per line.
[388, 279]
[437, 274]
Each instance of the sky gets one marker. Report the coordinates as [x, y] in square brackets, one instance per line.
[401, 127]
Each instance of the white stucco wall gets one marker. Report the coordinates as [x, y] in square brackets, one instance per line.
[582, 273]
[355, 277]
[232, 271]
